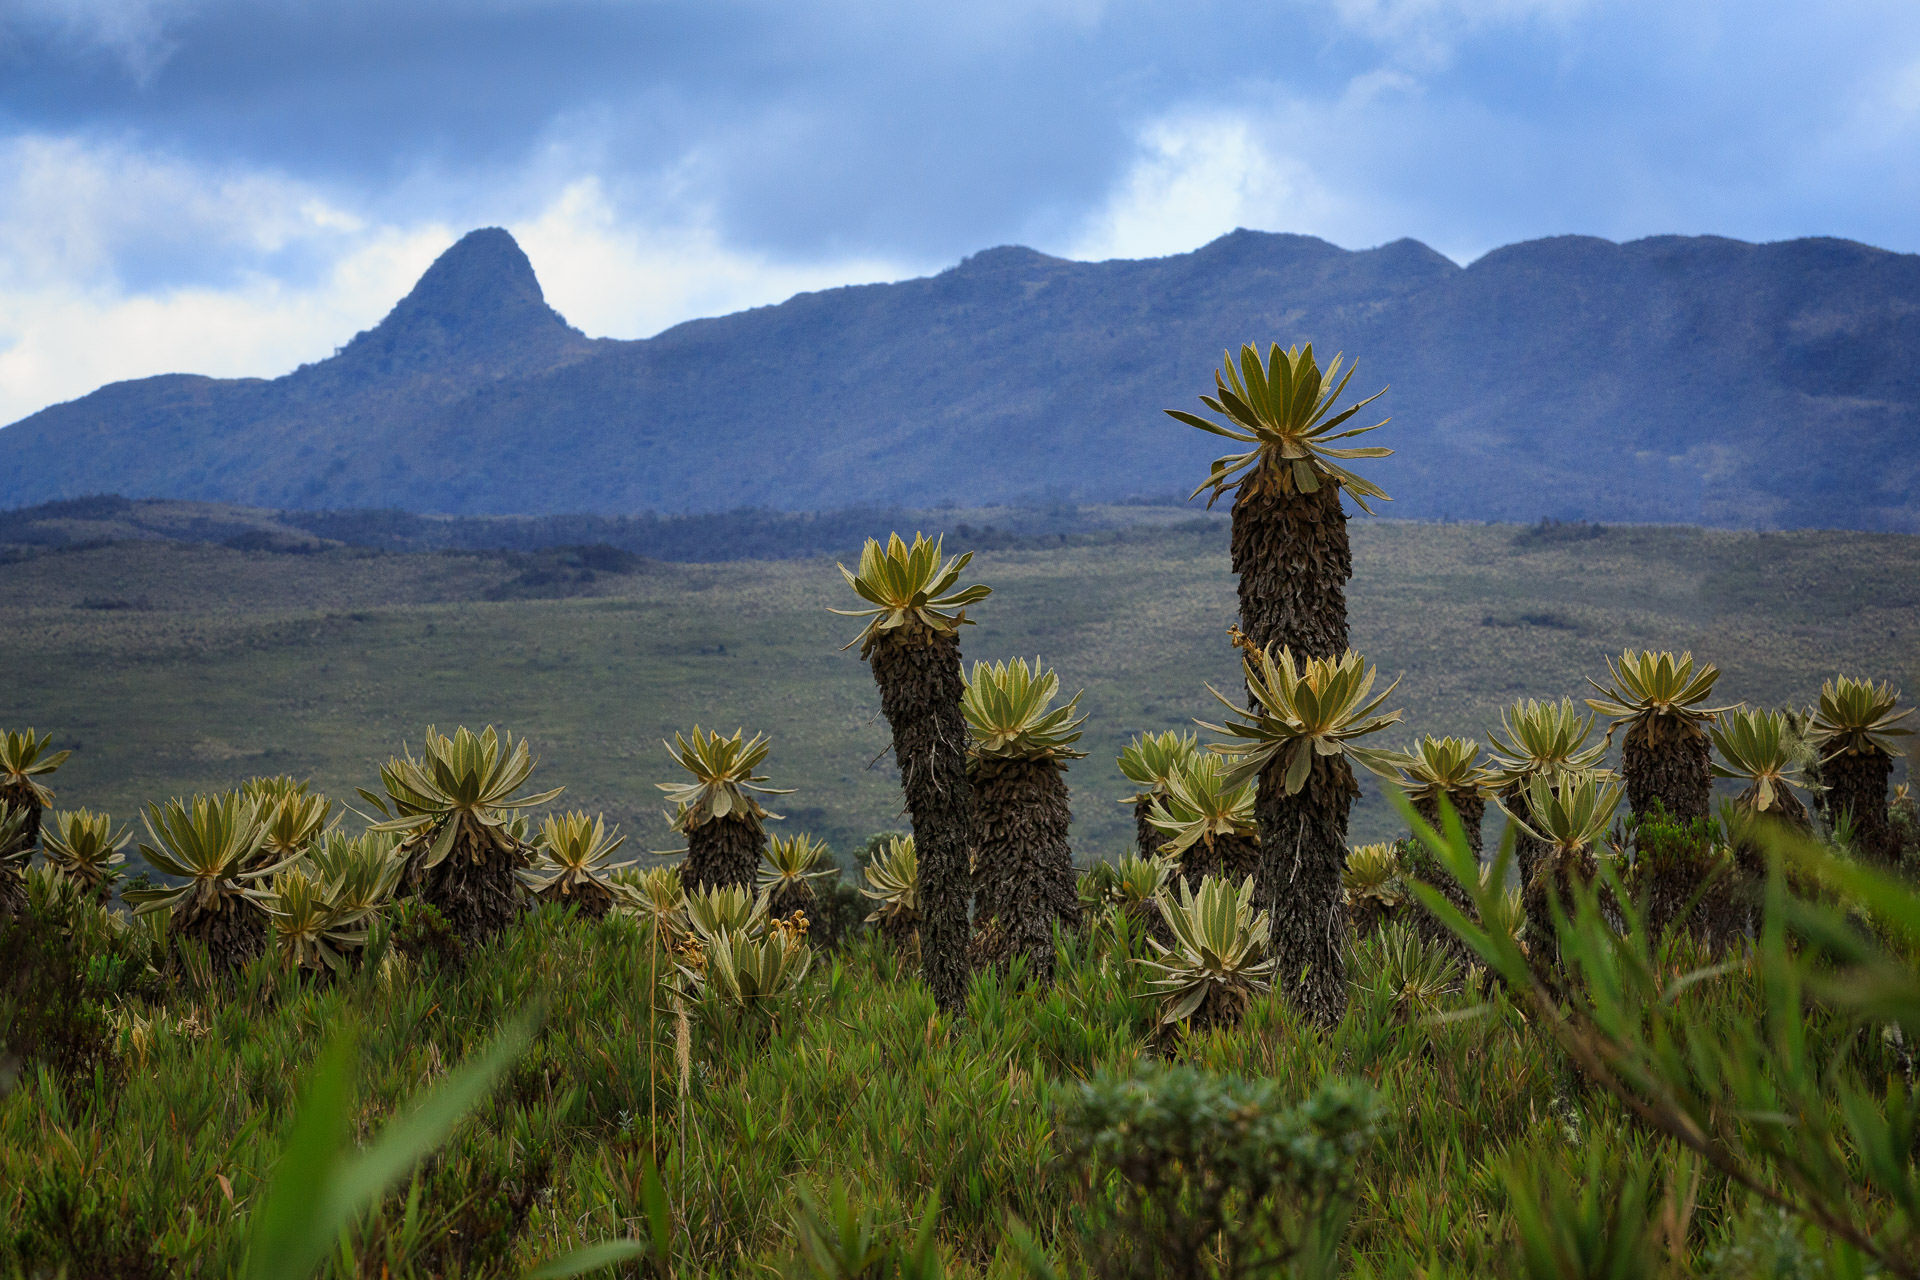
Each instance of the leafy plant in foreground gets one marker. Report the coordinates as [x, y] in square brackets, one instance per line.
[211, 842]
[1756, 749]
[295, 816]
[1206, 823]
[1854, 731]
[308, 932]
[25, 763]
[318, 1189]
[787, 875]
[574, 855]
[1373, 886]
[1215, 1175]
[15, 853]
[1778, 1104]
[893, 884]
[1567, 815]
[1447, 769]
[1538, 739]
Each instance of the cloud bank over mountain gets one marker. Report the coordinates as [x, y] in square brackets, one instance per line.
[226, 186]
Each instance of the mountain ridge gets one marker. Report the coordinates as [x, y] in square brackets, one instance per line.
[1683, 379]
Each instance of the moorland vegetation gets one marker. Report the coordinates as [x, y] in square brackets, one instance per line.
[437, 1031]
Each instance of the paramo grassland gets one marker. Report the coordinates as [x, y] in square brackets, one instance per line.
[173, 668]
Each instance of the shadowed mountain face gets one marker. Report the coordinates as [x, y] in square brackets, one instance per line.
[1695, 380]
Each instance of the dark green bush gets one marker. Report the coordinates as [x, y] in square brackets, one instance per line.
[1216, 1175]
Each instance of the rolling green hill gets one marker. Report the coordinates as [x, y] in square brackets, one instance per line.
[171, 667]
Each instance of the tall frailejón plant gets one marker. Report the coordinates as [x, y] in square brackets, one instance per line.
[717, 811]
[1566, 813]
[1666, 754]
[15, 854]
[1450, 769]
[911, 640]
[792, 864]
[83, 847]
[25, 763]
[1149, 762]
[1756, 748]
[460, 823]
[1206, 825]
[1854, 730]
[1023, 868]
[576, 866]
[210, 843]
[1538, 739]
[1301, 740]
[1290, 546]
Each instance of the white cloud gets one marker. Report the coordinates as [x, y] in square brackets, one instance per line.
[615, 278]
[1197, 176]
[85, 227]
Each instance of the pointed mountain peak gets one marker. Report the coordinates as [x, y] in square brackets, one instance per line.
[485, 272]
[478, 304]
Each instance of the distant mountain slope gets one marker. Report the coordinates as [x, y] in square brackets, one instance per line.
[1696, 380]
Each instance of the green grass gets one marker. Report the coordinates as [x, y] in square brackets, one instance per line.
[322, 665]
[152, 1163]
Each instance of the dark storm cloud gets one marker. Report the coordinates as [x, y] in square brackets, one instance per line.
[922, 132]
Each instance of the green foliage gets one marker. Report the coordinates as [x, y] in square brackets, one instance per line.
[1217, 1175]
[1443, 766]
[1284, 409]
[1858, 716]
[1659, 693]
[1199, 804]
[794, 862]
[1569, 810]
[911, 591]
[64, 965]
[724, 782]
[1149, 761]
[25, 761]
[1756, 748]
[1319, 707]
[209, 841]
[84, 847]
[1217, 961]
[1755, 1065]
[573, 850]
[893, 883]
[1545, 738]
[1008, 708]
[460, 788]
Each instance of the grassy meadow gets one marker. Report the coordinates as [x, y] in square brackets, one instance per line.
[178, 667]
[145, 1138]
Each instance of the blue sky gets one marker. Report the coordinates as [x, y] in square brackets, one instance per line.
[237, 186]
